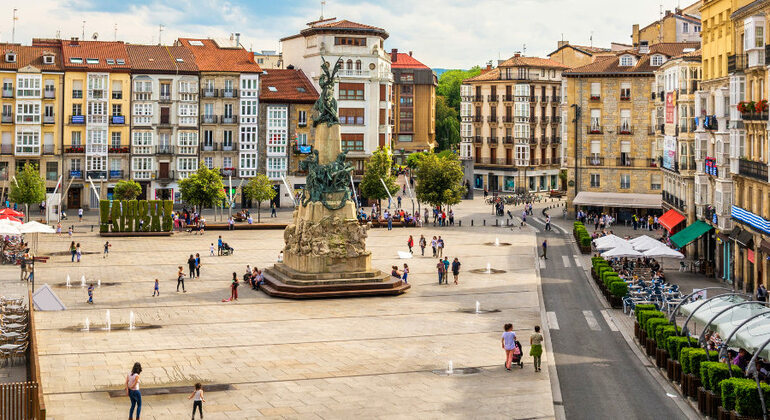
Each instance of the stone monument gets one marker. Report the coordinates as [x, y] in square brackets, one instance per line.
[325, 251]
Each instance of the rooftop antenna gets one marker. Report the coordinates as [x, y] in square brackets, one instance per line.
[660, 24]
[591, 39]
[524, 50]
[115, 31]
[83, 34]
[323, 3]
[160, 33]
[13, 31]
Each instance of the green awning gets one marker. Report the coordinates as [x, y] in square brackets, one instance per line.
[690, 233]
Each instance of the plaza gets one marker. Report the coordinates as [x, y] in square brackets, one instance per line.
[337, 358]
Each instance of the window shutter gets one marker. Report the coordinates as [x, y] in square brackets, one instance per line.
[625, 147]
[595, 147]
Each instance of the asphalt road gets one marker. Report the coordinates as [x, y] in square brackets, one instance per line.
[599, 375]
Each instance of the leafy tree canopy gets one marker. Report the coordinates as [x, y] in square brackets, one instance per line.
[29, 187]
[204, 188]
[127, 190]
[448, 106]
[439, 179]
[259, 189]
[378, 167]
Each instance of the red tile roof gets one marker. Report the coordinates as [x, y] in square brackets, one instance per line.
[406, 61]
[492, 74]
[339, 26]
[519, 61]
[30, 56]
[161, 58]
[290, 86]
[211, 57]
[610, 65]
[100, 50]
[345, 24]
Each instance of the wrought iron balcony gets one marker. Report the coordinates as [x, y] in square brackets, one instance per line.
[751, 169]
[594, 161]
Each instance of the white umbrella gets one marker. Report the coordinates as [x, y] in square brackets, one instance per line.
[620, 252]
[36, 227]
[662, 251]
[609, 242]
[10, 222]
[9, 229]
[644, 242]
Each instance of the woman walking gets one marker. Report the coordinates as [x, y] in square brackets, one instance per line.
[180, 279]
[536, 347]
[77, 251]
[423, 243]
[410, 243]
[73, 250]
[132, 389]
[191, 266]
[405, 274]
[198, 265]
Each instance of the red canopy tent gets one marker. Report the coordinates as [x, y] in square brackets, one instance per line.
[11, 212]
[9, 217]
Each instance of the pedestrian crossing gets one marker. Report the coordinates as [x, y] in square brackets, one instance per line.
[566, 261]
[591, 321]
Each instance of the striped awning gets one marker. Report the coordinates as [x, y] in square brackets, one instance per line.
[751, 219]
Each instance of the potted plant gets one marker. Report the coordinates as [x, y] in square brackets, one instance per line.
[761, 106]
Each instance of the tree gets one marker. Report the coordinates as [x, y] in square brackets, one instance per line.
[127, 190]
[414, 159]
[449, 85]
[439, 179]
[447, 125]
[28, 187]
[378, 167]
[204, 188]
[260, 189]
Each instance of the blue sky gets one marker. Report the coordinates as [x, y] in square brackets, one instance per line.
[442, 33]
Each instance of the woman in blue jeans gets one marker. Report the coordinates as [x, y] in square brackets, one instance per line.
[132, 388]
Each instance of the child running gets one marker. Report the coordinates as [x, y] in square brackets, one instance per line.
[509, 344]
[155, 291]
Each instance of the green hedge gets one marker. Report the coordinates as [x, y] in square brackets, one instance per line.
[127, 216]
[104, 216]
[652, 324]
[619, 288]
[168, 219]
[643, 307]
[663, 333]
[684, 358]
[727, 388]
[675, 344]
[581, 234]
[698, 355]
[712, 373]
[747, 402]
[643, 316]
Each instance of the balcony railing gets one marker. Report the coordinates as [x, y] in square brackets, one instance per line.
[117, 119]
[48, 149]
[555, 99]
[477, 139]
[229, 147]
[491, 140]
[477, 119]
[492, 98]
[477, 98]
[97, 174]
[532, 140]
[165, 176]
[543, 98]
[228, 172]
[208, 119]
[49, 119]
[754, 116]
[555, 119]
[508, 98]
[229, 93]
[625, 129]
[119, 149]
[674, 201]
[556, 140]
[7, 93]
[209, 93]
[736, 62]
[229, 119]
[49, 94]
[492, 119]
[533, 98]
[75, 173]
[165, 149]
[164, 98]
[625, 161]
[533, 119]
[209, 147]
[75, 149]
[508, 119]
[751, 169]
[595, 129]
[117, 95]
[508, 140]
[595, 98]
[353, 73]
[594, 161]
[625, 97]
[7, 118]
[544, 118]
[6, 149]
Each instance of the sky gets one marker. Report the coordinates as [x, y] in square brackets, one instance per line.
[441, 33]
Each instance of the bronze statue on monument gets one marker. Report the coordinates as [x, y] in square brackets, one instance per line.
[325, 251]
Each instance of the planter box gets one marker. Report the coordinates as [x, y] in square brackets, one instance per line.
[713, 403]
[616, 302]
[694, 383]
[642, 336]
[722, 414]
[735, 416]
[702, 406]
[651, 347]
[685, 384]
[677, 370]
[637, 331]
[670, 370]
[661, 357]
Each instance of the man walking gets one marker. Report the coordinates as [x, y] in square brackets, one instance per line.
[272, 209]
[456, 269]
[545, 249]
[423, 243]
[440, 247]
[547, 222]
[440, 269]
[80, 214]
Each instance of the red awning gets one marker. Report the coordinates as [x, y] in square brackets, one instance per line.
[670, 219]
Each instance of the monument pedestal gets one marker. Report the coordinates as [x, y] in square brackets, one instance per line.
[325, 256]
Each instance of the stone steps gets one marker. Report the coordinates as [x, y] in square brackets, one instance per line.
[279, 284]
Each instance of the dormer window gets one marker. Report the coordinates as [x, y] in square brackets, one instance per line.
[92, 61]
[48, 59]
[10, 57]
[657, 60]
[626, 61]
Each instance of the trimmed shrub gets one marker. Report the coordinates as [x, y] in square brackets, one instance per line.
[115, 216]
[644, 307]
[747, 402]
[727, 389]
[131, 217]
[698, 355]
[619, 288]
[674, 344]
[596, 260]
[712, 373]
[124, 220]
[155, 214]
[662, 333]
[652, 324]
[141, 215]
[104, 216]
[168, 220]
[684, 358]
[646, 315]
[610, 277]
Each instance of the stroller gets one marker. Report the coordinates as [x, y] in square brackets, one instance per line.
[516, 360]
[227, 249]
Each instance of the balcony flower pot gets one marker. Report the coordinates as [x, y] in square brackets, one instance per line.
[595, 97]
[761, 106]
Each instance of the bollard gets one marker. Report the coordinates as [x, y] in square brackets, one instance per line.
[92, 228]
[460, 223]
[471, 222]
[496, 222]
[485, 222]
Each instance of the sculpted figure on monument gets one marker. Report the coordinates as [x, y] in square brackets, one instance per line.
[326, 105]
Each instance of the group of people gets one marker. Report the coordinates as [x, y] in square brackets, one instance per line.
[135, 394]
[513, 350]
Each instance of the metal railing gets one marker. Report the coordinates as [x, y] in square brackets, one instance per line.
[48, 149]
[209, 93]
[229, 119]
[7, 93]
[624, 161]
[625, 129]
[492, 98]
[168, 175]
[7, 118]
[229, 93]
[164, 149]
[49, 94]
[208, 119]
[477, 139]
[594, 161]
[751, 169]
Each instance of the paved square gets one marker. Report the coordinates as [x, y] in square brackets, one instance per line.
[340, 358]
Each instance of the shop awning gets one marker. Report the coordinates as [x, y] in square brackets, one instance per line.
[627, 200]
[743, 237]
[690, 233]
[670, 219]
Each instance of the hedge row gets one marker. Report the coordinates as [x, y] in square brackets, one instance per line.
[741, 395]
[582, 236]
[609, 277]
[136, 216]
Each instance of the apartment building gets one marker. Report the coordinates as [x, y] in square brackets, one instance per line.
[229, 105]
[365, 79]
[714, 134]
[96, 128]
[611, 154]
[268, 59]
[31, 103]
[748, 157]
[164, 123]
[681, 25]
[676, 82]
[572, 55]
[414, 106]
[286, 137]
[511, 125]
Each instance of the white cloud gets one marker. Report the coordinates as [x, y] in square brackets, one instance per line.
[442, 33]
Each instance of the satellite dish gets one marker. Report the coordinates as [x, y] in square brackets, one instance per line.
[95, 36]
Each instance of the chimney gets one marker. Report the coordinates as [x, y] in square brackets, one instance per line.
[74, 41]
[237, 39]
[410, 53]
[489, 66]
[517, 55]
[394, 55]
[635, 34]
[561, 44]
[644, 47]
